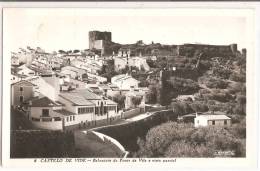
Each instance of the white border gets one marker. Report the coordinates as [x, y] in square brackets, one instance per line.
[230, 9]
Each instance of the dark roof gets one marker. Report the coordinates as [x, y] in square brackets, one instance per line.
[64, 112]
[44, 102]
[23, 83]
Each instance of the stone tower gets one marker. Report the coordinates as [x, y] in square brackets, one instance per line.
[97, 35]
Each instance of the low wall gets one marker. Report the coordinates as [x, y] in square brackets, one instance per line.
[131, 113]
[94, 124]
[128, 133]
[52, 125]
[117, 146]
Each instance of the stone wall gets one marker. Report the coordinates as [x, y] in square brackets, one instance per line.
[209, 50]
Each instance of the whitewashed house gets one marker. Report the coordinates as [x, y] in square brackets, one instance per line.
[47, 114]
[124, 81]
[138, 62]
[89, 108]
[48, 85]
[21, 91]
[24, 70]
[212, 120]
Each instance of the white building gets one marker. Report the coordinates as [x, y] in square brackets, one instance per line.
[24, 70]
[139, 62]
[48, 85]
[124, 81]
[89, 108]
[211, 120]
[47, 114]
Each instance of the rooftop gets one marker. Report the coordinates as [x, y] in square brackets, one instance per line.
[76, 99]
[87, 94]
[24, 83]
[44, 102]
[64, 112]
[214, 117]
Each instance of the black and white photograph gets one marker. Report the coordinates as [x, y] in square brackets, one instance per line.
[90, 83]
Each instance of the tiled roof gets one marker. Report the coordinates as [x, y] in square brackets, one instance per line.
[43, 102]
[76, 99]
[214, 117]
[64, 112]
[87, 94]
[24, 83]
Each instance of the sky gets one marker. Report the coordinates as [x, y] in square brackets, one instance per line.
[67, 29]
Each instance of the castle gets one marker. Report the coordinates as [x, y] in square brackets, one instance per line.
[99, 40]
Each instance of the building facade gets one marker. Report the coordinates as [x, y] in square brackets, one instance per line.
[211, 120]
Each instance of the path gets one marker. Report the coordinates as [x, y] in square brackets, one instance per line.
[89, 145]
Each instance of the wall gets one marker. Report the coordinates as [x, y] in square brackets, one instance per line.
[52, 125]
[45, 88]
[27, 93]
[131, 113]
[210, 50]
[120, 63]
[121, 150]
[36, 112]
[82, 118]
[200, 121]
[97, 35]
[220, 123]
[68, 105]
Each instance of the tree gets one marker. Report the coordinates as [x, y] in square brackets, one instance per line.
[187, 149]
[136, 100]
[195, 107]
[61, 51]
[76, 51]
[120, 100]
[152, 94]
[177, 109]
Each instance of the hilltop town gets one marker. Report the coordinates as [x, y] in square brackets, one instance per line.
[191, 87]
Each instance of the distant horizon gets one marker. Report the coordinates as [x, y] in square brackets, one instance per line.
[197, 43]
[67, 29]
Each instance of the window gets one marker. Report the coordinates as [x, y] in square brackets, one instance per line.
[83, 110]
[213, 122]
[21, 88]
[21, 98]
[70, 118]
[45, 112]
[73, 118]
[67, 119]
[225, 122]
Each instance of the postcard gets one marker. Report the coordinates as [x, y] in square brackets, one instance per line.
[130, 86]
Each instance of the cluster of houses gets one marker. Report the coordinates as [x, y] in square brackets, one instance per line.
[57, 91]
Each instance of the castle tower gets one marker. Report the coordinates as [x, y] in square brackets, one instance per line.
[97, 35]
[244, 52]
[233, 48]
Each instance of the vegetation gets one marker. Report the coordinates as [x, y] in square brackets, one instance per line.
[120, 100]
[183, 140]
[136, 101]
